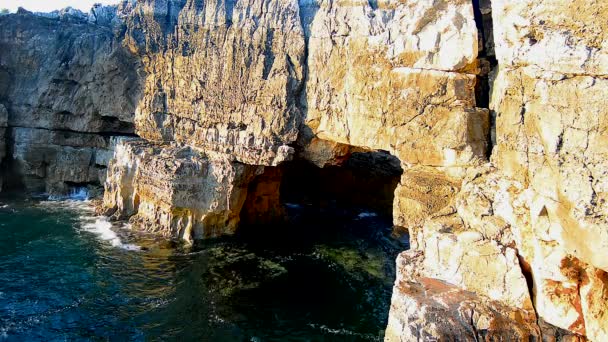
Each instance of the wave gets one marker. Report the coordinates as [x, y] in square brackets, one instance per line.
[345, 332]
[293, 206]
[76, 194]
[367, 214]
[78, 202]
[102, 227]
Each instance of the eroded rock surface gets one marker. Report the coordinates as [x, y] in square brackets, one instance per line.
[397, 76]
[224, 93]
[551, 146]
[177, 191]
[62, 75]
[538, 210]
[431, 310]
[222, 75]
[56, 161]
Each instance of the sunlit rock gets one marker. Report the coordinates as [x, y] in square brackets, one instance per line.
[181, 192]
[221, 75]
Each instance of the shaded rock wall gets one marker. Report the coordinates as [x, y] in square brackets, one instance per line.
[67, 84]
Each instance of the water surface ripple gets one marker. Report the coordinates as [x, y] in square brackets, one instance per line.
[68, 275]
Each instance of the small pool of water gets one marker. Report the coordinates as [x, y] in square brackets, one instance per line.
[68, 275]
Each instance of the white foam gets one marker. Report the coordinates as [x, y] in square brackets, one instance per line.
[293, 206]
[343, 332]
[57, 205]
[76, 194]
[102, 227]
[367, 214]
[98, 225]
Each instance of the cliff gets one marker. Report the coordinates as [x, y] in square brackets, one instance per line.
[67, 85]
[494, 112]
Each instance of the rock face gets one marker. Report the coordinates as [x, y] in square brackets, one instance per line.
[538, 210]
[177, 191]
[552, 144]
[3, 125]
[221, 75]
[65, 74]
[397, 76]
[56, 161]
[432, 310]
[505, 205]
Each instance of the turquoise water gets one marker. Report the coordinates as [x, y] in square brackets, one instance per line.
[68, 275]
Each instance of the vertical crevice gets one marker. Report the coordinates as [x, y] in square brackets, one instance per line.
[482, 10]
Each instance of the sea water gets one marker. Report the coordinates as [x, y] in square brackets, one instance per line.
[66, 274]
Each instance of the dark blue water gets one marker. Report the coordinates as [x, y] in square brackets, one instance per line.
[66, 275]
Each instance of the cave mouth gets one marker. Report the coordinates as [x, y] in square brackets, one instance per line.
[332, 254]
[353, 199]
[364, 184]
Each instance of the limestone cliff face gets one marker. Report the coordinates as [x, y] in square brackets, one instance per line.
[552, 143]
[495, 111]
[64, 80]
[397, 76]
[177, 192]
[221, 75]
[542, 197]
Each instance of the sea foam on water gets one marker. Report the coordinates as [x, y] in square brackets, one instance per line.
[102, 227]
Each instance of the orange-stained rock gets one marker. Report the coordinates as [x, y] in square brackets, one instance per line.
[425, 309]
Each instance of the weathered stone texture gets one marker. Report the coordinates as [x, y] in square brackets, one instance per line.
[65, 74]
[222, 75]
[223, 91]
[3, 138]
[427, 309]
[178, 191]
[395, 76]
[552, 139]
[540, 210]
[563, 36]
[552, 144]
[54, 161]
[422, 192]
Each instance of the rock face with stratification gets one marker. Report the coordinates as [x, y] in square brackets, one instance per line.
[224, 79]
[177, 191]
[57, 160]
[538, 210]
[397, 76]
[66, 84]
[552, 144]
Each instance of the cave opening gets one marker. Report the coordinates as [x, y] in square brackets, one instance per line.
[353, 198]
[364, 185]
[328, 235]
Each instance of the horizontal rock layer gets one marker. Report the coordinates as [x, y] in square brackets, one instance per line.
[67, 85]
[55, 161]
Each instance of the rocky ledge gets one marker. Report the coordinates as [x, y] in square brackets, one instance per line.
[494, 110]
